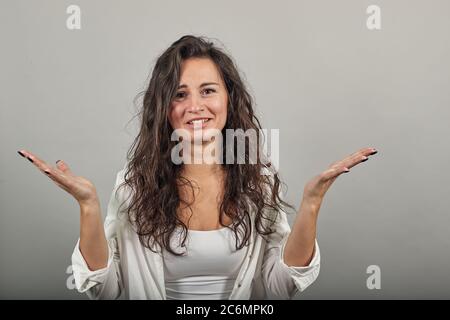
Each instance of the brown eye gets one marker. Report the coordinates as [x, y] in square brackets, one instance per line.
[179, 95]
[209, 90]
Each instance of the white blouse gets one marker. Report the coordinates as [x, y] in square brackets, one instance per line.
[207, 270]
[138, 273]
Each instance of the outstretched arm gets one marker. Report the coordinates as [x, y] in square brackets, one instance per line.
[299, 248]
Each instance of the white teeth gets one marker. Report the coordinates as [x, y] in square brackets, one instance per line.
[198, 121]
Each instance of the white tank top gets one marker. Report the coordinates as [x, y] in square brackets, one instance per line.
[209, 268]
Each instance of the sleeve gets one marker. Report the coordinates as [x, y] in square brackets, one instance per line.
[103, 283]
[282, 281]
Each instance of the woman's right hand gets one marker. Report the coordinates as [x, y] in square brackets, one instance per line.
[80, 188]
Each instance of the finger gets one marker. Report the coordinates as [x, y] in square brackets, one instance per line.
[60, 178]
[355, 160]
[333, 172]
[362, 152]
[63, 166]
[365, 151]
[361, 155]
[39, 163]
[347, 158]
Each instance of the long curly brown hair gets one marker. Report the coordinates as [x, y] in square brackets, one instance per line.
[155, 180]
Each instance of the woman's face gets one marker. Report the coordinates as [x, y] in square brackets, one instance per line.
[201, 96]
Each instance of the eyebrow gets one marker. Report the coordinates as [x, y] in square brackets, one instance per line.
[202, 85]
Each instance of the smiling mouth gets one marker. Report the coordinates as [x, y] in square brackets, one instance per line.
[199, 121]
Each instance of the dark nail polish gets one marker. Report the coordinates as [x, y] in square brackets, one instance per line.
[364, 160]
[30, 159]
[58, 161]
[374, 152]
[21, 154]
[47, 172]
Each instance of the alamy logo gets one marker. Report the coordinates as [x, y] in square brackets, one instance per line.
[374, 19]
[70, 282]
[73, 22]
[241, 147]
[374, 280]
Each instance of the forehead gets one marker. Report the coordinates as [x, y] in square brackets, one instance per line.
[199, 69]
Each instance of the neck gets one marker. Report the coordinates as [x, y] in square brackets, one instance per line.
[209, 164]
[202, 170]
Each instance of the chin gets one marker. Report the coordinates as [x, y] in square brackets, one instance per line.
[200, 135]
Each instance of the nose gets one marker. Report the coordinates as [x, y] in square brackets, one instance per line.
[195, 109]
[195, 104]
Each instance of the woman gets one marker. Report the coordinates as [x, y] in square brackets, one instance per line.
[208, 230]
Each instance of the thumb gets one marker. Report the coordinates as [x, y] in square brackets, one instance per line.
[61, 165]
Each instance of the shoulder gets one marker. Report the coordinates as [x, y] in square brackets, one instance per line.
[120, 197]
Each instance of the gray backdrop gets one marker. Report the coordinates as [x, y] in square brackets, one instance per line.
[317, 73]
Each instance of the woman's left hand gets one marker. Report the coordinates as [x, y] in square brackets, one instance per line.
[316, 188]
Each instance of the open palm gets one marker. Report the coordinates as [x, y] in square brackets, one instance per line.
[80, 188]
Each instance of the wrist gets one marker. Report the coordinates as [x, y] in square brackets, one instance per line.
[311, 204]
[88, 206]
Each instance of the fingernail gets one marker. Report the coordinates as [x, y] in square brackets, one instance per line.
[346, 170]
[374, 152]
[21, 154]
[47, 172]
[30, 159]
[365, 159]
[57, 161]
